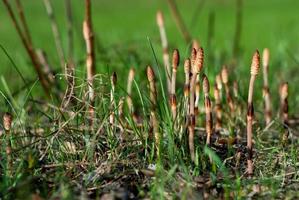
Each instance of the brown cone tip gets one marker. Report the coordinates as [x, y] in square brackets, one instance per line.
[224, 75]
[131, 73]
[266, 57]
[7, 120]
[195, 44]
[216, 92]
[193, 56]
[114, 78]
[150, 74]
[255, 64]
[205, 84]
[199, 60]
[85, 30]
[187, 66]
[160, 18]
[284, 90]
[175, 59]
[218, 82]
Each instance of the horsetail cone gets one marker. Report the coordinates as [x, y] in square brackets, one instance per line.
[150, 74]
[218, 82]
[199, 60]
[7, 121]
[187, 69]
[160, 18]
[175, 59]
[285, 110]
[205, 85]
[193, 57]
[175, 64]
[266, 57]
[129, 89]
[284, 91]
[151, 78]
[224, 75]
[255, 65]
[114, 78]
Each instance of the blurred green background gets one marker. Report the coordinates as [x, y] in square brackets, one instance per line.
[123, 27]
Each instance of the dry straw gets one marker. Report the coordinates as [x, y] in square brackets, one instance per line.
[255, 65]
[160, 23]
[266, 91]
[208, 108]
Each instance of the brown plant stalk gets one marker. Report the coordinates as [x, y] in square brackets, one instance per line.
[208, 109]
[187, 68]
[175, 64]
[153, 98]
[160, 23]
[284, 107]
[179, 21]
[266, 91]
[30, 50]
[224, 77]
[197, 96]
[23, 20]
[196, 69]
[129, 90]
[255, 65]
[90, 57]
[218, 108]
[219, 85]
